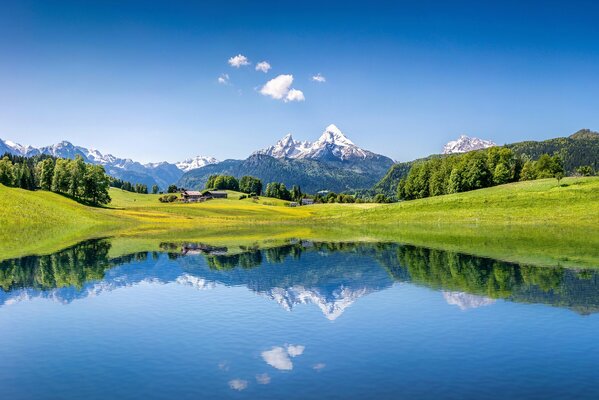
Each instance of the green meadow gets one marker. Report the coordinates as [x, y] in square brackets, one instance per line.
[537, 222]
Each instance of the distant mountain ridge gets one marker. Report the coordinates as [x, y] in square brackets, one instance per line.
[333, 162]
[161, 174]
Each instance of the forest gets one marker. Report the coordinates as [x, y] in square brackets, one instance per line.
[474, 170]
[83, 182]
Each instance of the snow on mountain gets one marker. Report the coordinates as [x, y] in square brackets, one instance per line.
[286, 148]
[332, 304]
[466, 301]
[161, 173]
[465, 144]
[332, 144]
[196, 162]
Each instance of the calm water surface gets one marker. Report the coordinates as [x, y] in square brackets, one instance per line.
[306, 320]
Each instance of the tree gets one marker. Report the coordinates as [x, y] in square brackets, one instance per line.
[155, 189]
[557, 168]
[455, 184]
[141, 188]
[296, 193]
[46, 172]
[6, 172]
[278, 191]
[76, 169]
[250, 184]
[61, 177]
[172, 189]
[95, 185]
[501, 174]
[544, 167]
[222, 182]
[381, 198]
[529, 171]
[585, 170]
[476, 174]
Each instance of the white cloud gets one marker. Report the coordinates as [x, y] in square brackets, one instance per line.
[295, 351]
[278, 357]
[279, 88]
[238, 61]
[319, 78]
[223, 79]
[319, 366]
[263, 66]
[295, 95]
[238, 384]
[263, 379]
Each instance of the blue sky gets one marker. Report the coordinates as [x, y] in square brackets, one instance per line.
[140, 78]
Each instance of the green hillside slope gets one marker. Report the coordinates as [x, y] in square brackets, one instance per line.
[581, 148]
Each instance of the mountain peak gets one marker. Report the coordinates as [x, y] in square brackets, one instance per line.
[465, 144]
[195, 162]
[333, 135]
[584, 134]
[332, 145]
[333, 129]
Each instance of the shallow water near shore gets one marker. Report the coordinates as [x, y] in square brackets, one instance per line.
[303, 320]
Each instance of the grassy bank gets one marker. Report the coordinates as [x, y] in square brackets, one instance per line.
[532, 222]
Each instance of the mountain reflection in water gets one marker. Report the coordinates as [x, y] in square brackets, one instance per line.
[331, 276]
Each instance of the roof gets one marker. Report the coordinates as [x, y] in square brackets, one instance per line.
[192, 193]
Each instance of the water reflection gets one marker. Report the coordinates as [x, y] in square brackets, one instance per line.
[331, 276]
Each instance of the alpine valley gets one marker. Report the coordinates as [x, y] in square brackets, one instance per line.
[332, 162]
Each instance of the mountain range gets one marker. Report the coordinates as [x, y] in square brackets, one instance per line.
[332, 162]
[161, 173]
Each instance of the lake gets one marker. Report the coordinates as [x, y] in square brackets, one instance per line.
[303, 320]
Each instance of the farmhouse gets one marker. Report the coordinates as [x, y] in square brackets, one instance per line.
[191, 195]
[217, 194]
[307, 202]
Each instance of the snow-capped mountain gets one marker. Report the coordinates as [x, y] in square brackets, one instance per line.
[161, 173]
[332, 145]
[286, 148]
[465, 144]
[466, 301]
[196, 162]
[331, 304]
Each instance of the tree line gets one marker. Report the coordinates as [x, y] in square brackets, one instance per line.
[132, 187]
[278, 190]
[474, 170]
[75, 178]
[247, 184]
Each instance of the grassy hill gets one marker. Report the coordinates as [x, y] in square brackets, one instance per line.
[580, 148]
[536, 221]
